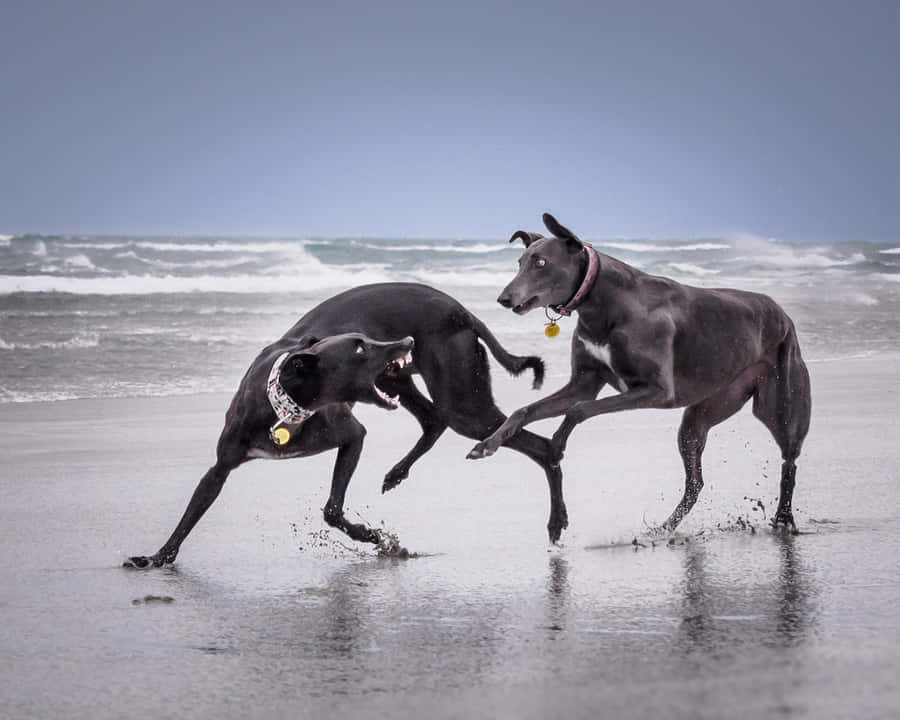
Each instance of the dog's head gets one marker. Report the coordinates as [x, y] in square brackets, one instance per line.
[550, 270]
[344, 368]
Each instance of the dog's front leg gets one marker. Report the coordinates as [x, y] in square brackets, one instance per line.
[347, 459]
[642, 397]
[204, 496]
[583, 385]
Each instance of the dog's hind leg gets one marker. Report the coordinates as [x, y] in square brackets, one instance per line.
[538, 449]
[229, 456]
[485, 420]
[783, 403]
[695, 426]
[462, 395]
[350, 434]
[432, 427]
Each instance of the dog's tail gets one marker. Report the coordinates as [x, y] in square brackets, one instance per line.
[515, 364]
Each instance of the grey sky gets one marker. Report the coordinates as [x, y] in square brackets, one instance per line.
[452, 118]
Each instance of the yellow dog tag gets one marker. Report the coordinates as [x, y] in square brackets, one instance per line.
[551, 329]
[281, 436]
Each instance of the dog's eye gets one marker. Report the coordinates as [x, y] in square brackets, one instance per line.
[360, 350]
[540, 262]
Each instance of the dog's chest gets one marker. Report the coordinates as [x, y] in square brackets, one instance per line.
[274, 453]
[603, 355]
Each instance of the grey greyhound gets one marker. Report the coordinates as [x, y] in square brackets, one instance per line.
[312, 382]
[661, 344]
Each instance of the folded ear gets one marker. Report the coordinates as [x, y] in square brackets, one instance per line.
[558, 230]
[525, 237]
[303, 362]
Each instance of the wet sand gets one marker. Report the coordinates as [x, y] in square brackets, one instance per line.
[267, 613]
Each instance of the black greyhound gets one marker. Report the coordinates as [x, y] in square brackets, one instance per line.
[661, 344]
[447, 354]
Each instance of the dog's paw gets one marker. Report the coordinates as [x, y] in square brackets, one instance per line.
[394, 477]
[142, 562]
[784, 523]
[481, 450]
[660, 531]
[557, 524]
[138, 562]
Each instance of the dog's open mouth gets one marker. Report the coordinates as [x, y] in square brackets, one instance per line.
[396, 366]
[392, 369]
[524, 307]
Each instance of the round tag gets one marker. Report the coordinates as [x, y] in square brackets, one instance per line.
[551, 330]
[281, 436]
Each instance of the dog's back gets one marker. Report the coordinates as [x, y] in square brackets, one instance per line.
[386, 311]
[383, 310]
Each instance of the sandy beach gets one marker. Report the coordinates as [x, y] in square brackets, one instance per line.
[267, 612]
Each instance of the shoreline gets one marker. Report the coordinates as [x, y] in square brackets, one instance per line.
[498, 372]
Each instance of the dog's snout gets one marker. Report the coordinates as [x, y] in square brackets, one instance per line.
[505, 300]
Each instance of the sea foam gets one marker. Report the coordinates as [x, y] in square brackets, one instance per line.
[170, 284]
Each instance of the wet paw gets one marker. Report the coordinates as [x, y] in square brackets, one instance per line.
[394, 477]
[371, 536]
[556, 525]
[660, 531]
[139, 562]
[784, 523]
[554, 531]
[481, 450]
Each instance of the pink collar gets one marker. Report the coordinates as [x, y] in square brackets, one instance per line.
[589, 277]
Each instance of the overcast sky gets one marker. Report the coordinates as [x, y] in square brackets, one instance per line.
[451, 119]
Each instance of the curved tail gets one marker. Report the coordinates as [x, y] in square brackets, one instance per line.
[515, 364]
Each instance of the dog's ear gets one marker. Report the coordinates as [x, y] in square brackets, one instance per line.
[525, 236]
[560, 231]
[304, 362]
[573, 243]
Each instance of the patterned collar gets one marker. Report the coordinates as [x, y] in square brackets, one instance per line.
[287, 411]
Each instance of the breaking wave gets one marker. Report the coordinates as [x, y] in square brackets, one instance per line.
[220, 264]
[668, 247]
[169, 284]
[192, 246]
[689, 269]
[79, 341]
[477, 248]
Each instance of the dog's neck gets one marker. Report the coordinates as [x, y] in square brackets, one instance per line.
[601, 309]
[590, 263]
[288, 408]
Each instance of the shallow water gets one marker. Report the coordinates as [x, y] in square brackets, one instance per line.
[267, 613]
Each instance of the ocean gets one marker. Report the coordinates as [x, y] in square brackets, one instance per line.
[96, 317]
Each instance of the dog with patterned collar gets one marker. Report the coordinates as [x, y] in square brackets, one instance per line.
[297, 398]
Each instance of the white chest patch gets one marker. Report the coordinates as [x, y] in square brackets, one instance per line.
[273, 454]
[603, 354]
